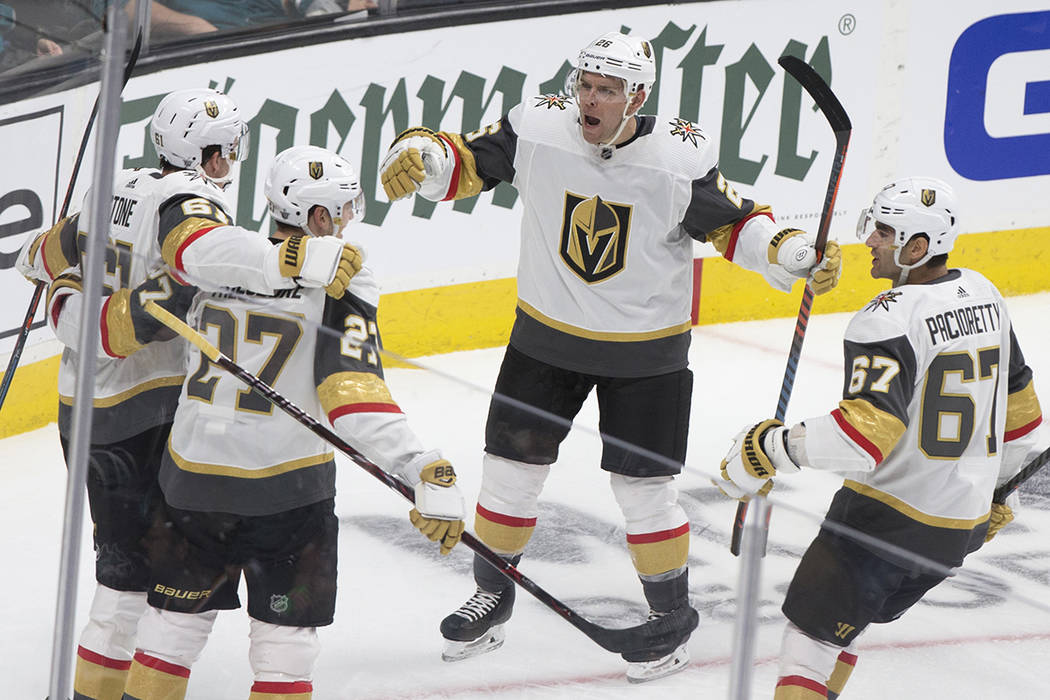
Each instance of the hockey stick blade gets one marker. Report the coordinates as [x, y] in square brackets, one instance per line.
[38, 293]
[1026, 473]
[841, 125]
[660, 631]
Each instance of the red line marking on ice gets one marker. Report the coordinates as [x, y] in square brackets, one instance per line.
[763, 347]
[519, 686]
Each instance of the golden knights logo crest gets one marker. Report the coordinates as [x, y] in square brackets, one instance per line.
[211, 108]
[552, 101]
[928, 197]
[594, 236]
[316, 169]
[687, 130]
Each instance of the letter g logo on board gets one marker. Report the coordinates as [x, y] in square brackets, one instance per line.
[997, 115]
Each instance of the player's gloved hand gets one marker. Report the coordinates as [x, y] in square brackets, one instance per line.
[417, 158]
[793, 250]
[758, 453]
[439, 507]
[1001, 516]
[320, 262]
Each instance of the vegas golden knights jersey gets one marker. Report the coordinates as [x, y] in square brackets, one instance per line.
[232, 451]
[938, 407]
[605, 266]
[136, 383]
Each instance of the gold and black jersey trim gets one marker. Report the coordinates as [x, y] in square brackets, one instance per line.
[59, 246]
[117, 399]
[724, 237]
[606, 336]
[243, 473]
[912, 512]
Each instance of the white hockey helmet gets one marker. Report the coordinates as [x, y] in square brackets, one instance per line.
[188, 121]
[914, 206]
[629, 58]
[303, 177]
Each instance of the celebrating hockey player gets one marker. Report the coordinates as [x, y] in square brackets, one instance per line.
[246, 488]
[159, 216]
[611, 203]
[938, 409]
[199, 135]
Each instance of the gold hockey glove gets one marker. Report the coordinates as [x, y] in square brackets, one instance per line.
[825, 276]
[439, 507]
[416, 162]
[1000, 517]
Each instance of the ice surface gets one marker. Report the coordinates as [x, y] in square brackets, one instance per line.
[963, 641]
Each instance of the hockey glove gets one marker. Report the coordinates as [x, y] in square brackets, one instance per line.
[320, 262]
[1002, 515]
[417, 161]
[439, 507]
[792, 250]
[757, 454]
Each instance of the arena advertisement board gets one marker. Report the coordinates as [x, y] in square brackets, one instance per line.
[889, 63]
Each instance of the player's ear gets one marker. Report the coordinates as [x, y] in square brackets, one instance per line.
[637, 100]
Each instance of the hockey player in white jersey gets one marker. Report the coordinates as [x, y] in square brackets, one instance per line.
[246, 487]
[938, 409]
[612, 202]
[199, 136]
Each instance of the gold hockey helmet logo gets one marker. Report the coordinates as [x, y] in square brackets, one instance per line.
[211, 108]
[316, 169]
[594, 236]
[928, 197]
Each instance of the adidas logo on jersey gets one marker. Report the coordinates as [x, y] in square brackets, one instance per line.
[962, 293]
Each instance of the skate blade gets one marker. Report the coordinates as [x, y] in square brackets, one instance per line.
[490, 641]
[645, 671]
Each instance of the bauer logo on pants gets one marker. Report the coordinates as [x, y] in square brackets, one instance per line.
[594, 236]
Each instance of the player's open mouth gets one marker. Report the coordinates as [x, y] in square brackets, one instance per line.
[591, 121]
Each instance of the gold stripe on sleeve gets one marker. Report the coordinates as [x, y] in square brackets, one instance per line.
[348, 388]
[1022, 408]
[180, 234]
[879, 427]
[469, 184]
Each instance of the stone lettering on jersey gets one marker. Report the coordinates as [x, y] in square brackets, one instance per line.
[123, 209]
[963, 320]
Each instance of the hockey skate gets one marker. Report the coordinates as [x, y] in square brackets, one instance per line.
[477, 627]
[668, 655]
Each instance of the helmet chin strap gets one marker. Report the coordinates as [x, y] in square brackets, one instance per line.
[221, 182]
[605, 150]
[905, 269]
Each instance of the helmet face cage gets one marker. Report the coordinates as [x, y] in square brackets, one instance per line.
[619, 56]
[188, 121]
[914, 206]
[303, 177]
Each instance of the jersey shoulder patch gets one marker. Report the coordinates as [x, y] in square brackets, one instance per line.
[687, 131]
[559, 102]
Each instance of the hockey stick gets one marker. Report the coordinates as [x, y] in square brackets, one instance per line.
[840, 124]
[34, 301]
[1026, 473]
[630, 639]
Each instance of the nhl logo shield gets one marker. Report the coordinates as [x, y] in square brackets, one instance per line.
[594, 237]
[316, 169]
[928, 197]
[211, 109]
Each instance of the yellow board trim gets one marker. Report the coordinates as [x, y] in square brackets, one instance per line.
[477, 315]
[241, 473]
[912, 512]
